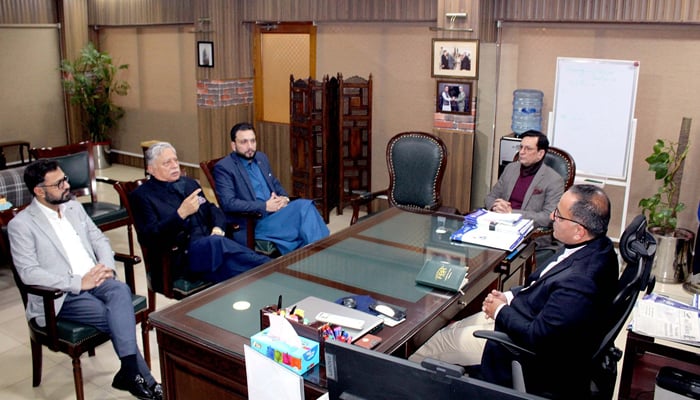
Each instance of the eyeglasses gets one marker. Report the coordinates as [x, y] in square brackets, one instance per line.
[61, 183]
[557, 214]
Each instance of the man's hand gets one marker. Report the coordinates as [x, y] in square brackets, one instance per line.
[94, 278]
[190, 205]
[492, 302]
[276, 203]
[502, 206]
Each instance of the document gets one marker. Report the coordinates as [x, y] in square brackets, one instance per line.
[486, 235]
[269, 380]
[665, 318]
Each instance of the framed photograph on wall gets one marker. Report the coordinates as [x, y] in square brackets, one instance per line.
[205, 54]
[455, 58]
[454, 97]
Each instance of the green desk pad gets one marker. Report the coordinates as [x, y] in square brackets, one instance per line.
[260, 294]
[368, 265]
[406, 228]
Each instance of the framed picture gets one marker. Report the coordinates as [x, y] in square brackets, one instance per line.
[454, 97]
[205, 54]
[455, 58]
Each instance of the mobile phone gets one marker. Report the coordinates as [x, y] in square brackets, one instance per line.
[388, 310]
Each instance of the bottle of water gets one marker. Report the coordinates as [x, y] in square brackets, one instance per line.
[527, 111]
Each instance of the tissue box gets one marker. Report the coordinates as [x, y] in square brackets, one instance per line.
[297, 359]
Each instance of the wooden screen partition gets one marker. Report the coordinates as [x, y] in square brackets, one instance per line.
[331, 139]
[457, 183]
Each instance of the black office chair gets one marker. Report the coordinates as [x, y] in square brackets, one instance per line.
[416, 163]
[637, 247]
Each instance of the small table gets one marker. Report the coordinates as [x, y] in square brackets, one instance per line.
[21, 144]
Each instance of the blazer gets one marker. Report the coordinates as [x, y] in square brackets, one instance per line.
[40, 258]
[235, 190]
[541, 197]
[561, 316]
[157, 222]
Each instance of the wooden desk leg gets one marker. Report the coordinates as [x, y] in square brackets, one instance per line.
[627, 367]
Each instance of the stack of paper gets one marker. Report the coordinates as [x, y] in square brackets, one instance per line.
[490, 229]
[662, 317]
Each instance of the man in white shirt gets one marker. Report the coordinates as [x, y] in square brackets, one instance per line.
[54, 243]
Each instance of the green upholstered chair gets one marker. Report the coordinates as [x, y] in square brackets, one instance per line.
[70, 337]
[164, 275]
[77, 162]
[416, 163]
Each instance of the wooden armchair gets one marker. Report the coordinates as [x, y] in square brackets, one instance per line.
[77, 162]
[417, 163]
[69, 337]
[163, 274]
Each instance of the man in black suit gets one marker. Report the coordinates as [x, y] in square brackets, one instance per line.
[559, 312]
[170, 209]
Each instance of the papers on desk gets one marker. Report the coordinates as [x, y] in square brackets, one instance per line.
[269, 380]
[490, 229]
[665, 318]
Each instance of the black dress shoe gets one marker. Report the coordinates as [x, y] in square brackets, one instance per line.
[136, 386]
[157, 391]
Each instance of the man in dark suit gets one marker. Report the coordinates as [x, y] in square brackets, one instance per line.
[559, 312]
[54, 243]
[170, 209]
[245, 183]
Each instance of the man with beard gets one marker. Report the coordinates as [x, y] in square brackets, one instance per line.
[245, 183]
[171, 210]
[54, 243]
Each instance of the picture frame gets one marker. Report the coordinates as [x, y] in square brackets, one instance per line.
[455, 58]
[447, 97]
[205, 54]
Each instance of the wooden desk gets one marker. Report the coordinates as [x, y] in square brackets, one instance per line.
[23, 147]
[201, 338]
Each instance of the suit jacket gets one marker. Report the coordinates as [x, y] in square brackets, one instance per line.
[541, 197]
[157, 222]
[235, 190]
[40, 258]
[561, 316]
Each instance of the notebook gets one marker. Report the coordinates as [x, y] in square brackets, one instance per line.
[313, 305]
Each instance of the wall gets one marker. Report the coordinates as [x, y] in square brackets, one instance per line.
[666, 91]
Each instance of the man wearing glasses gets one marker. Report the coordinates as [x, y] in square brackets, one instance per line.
[558, 312]
[528, 186]
[54, 243]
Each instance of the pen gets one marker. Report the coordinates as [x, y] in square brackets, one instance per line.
[279, 303]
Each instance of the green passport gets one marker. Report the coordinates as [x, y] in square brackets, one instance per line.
[443, 275]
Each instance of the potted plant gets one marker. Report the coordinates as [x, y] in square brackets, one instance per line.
[673, 254]
[91, 80]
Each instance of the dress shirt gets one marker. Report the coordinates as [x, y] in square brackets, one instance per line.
[80, 260]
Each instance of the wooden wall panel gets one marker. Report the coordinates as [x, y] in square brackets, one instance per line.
[140, 12]
[457, 182]
[28, 12]
[651, 11]
[273, 140]
[340, 10]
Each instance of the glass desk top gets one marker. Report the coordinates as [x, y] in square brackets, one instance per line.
[380, 257]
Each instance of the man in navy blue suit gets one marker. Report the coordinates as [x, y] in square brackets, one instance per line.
[558, 312]
[245, 183]
[170, 209]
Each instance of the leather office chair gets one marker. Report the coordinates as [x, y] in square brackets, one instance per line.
[416, 163]
[163, 274]
[261, 246]
[70, 337]
[77, 162]
[637, 247]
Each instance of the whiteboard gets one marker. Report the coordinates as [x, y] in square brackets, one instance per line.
[593, 111]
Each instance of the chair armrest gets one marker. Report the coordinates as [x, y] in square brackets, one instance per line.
[541, 231]
[48, 295]
[362, 199]
[104, 179]
[504, 340]
[251, 218]
[129, 262]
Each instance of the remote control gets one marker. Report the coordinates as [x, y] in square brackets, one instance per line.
[346, 322]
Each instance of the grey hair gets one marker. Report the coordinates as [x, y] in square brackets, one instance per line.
[156, 150]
